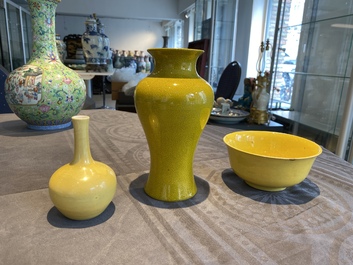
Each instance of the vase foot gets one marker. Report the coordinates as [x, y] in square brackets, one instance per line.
[49, 127]
[170, 194]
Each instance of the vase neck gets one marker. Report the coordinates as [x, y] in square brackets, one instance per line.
[43, 28]
[82, 151]
[175, 63]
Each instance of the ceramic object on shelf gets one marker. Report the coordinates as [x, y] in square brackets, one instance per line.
[173, 104]
[92, 43]
[106, 42]
[234, 116]
[148, 64]
[79, 54]
[73, 43]
[84, 188]
[44, 92]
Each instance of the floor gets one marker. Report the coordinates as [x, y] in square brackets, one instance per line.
[109, 103]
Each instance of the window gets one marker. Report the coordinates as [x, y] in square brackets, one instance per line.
[16, 36]
[174, 30]
[216, 21]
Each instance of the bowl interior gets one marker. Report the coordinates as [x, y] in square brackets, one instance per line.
[272, 144]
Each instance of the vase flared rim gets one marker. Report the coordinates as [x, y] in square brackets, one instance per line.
[80, 117]
[53, 1]
[151, 50]
[175, 62]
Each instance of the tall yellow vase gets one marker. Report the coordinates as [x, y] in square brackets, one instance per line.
[84, 188]
[173, 104]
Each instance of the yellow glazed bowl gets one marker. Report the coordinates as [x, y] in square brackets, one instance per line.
[270, 161]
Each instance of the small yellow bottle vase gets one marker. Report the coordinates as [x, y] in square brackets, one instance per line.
[84, 188]
[173, 104]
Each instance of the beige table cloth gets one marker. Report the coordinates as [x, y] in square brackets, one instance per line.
[227, 222]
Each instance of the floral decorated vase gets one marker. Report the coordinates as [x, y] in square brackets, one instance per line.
[44, 92]
[61, 46]
[106, 54]
[93, 44]
[173, 104]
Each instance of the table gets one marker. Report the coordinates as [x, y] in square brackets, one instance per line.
[227, 222]
[87, 77]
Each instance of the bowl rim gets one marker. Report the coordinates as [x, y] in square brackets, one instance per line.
[319, 148]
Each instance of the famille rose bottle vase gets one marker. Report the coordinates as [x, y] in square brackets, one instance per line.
[173, 104]
[44, 92]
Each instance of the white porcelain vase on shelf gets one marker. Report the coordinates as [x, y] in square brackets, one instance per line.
[92, 45]
[106, 43]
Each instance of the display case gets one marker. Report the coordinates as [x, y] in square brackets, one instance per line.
[313, 68]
